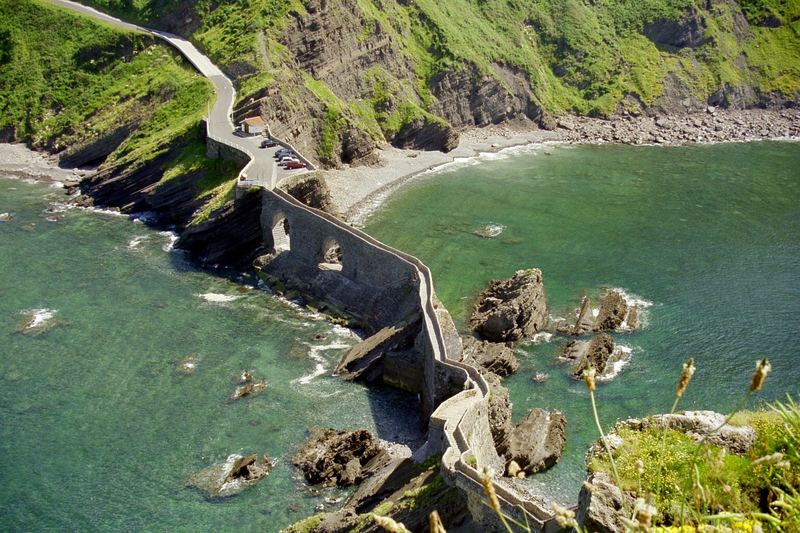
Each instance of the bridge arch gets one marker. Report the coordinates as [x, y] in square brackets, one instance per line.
[331, 257]
[281, 237]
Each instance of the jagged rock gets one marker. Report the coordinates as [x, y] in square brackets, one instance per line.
[512, 309]
[495, 357]
[365, 361]
[499, 412]
[600, 509]
[583, 354]
[689, 30]
[425, 134]
[700, 425]
[232, 236]
[250, 388]
[340, 458]
[358, 148]
[231, 477]
[613, 310]
[311, 189]
[538, 441]
[585, 320]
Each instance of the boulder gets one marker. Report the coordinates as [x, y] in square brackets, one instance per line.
[495, 357]
[596, 353]
[340, 458]
[613, 310]
[538, 441]
[600, 509]
[512, 309]
[248, 386]
[231, 477]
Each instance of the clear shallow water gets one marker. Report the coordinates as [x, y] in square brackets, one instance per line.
[98, 431]
[709, 234]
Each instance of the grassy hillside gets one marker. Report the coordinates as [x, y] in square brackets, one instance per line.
[70, 81]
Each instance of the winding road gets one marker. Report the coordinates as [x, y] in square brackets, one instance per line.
[261, 170]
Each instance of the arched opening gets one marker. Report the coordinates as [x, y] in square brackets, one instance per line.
[280, 234]
[331, 256]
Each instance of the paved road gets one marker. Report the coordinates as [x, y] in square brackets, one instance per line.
[262, 169]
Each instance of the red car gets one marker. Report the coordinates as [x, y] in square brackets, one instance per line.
[292, 165]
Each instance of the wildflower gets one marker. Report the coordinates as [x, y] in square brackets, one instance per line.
[640, 467]
[772, 458]
[762, 369]
[565, 517]
[488, 488]
[686, 376]
[589, 378]
[390, 525]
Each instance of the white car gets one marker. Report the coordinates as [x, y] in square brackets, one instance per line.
[285, 159]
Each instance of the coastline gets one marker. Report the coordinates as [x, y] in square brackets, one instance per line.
[359, 191]
[19, 161]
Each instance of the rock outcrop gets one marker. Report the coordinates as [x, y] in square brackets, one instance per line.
[538, 441]
[311, 189]
[613, 314]
[494, 357]
[340, 458]
[232, 236]
[600, 509]
[499, 412]
[365, 361]
[599, 353]
[425, 134]
[512, 309]
[231, 477]
[688, 31]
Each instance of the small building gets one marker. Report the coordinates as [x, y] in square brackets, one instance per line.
[253, 125]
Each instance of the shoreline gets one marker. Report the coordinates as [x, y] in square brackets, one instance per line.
[358, 192]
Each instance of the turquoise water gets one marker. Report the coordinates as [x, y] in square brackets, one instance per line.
[710, 235]
[99, 431]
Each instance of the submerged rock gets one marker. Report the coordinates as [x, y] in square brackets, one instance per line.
[340, 458]
[537, 442]
[231, 477]
[495, 357]
[512, 309]
[188, 365]
[6, 217]
[489, 231]
[249, 386]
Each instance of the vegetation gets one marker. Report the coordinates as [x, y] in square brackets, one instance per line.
[88, 80]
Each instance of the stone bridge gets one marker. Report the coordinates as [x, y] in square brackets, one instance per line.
[364, 277]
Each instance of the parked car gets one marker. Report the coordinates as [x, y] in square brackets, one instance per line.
[283, 152]
[268, 143]
[293, 165]
[285, 159]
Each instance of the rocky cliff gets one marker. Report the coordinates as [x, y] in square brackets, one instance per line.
[341, 77]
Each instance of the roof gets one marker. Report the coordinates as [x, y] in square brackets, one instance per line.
[254, 121]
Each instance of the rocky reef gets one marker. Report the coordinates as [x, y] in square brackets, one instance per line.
[330, 457]
[232, 476]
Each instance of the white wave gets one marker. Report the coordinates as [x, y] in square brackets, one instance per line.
[136, 241]
[315, 353]
[541, 337]
[172, 238]
[6, 217]
[489, 230]
[595, 312]
[631, 299]
[215, 297]
[618, 360]
[57, 185]
[38, 317]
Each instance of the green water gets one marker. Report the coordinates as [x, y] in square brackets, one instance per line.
[98, 431]
[709, 234]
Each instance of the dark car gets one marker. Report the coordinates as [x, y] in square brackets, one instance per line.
[268, 143]
[293, 165]
[282, 153]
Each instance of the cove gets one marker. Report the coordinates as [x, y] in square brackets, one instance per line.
[709, 235]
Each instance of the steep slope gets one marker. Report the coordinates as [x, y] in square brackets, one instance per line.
[340, 76]
[97, 96]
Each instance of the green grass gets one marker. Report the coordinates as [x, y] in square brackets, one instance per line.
[685, 479]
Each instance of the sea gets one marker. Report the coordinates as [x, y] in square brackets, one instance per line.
[118, 357]
[705, 238]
